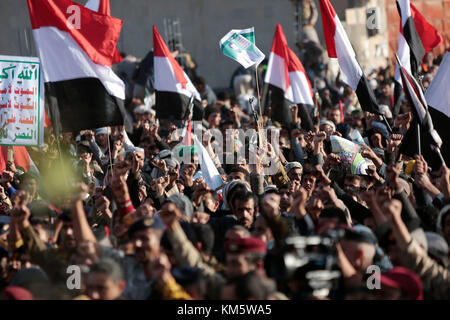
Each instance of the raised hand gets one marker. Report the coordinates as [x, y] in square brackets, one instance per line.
[20, 214]
[159, 185]
[160, 164]
[393, 177]
[169, 214]
[270, 205]
[299, 201]
[394, 142]
[101, 203]
[119, 186]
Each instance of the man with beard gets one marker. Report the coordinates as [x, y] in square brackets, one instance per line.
[244, 208]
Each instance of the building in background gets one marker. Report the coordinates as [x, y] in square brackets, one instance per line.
[204, 22]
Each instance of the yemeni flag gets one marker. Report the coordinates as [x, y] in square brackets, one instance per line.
[339, 46]
[287, 83]
[415, 39]
[430, 141]
[103, 7]
[76, 47]
[438, 98]
[173, 87]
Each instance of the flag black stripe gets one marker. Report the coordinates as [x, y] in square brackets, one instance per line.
[173, 106]
[366, 97]
[83, 103]
[417, 51]
[280, 111]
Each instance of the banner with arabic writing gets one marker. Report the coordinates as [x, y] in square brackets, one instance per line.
[21, 101]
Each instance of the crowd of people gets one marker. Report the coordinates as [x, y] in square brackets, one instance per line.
[140, 224]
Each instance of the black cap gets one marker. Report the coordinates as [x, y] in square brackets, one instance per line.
[360, 233]
[5, 222]
[145, 223]
[186, 276]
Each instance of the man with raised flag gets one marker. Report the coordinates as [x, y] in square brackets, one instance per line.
[415, 39]
[77, 46]
[173, 86]
[339, 46]
[287, 83]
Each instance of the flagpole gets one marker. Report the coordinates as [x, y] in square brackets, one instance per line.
[387, 124]
[257, 93]
[419, 149]
[110, 156]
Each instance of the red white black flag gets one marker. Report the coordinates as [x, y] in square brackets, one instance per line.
[429, 137]
[339, 46]
[416, 37]
[173, 86]
[76, 47]
[287, 83]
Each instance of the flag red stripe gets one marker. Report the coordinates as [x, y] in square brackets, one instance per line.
[279, 47]
[97, 35]
[429, 35]
[105, 8]
[160, 49]
[329, 26]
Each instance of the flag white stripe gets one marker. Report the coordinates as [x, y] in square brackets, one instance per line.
[209, 171]
[300, 88]
[351, 71]
[403, 54]
[63, 59]
[275, 75]
[405, 10]
[438, 92]
[165, 79]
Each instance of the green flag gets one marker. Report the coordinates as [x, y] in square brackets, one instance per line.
[239, 45]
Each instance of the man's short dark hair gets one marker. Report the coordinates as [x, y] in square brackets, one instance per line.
[226, 122]
[307, 172]
[353, 177]
[244, 196]
[109, 267]
[205, 235]
[385, 82]
[213, 194]
[199, 80]
[242, 170]
[223, 95]
[334, 212]
[249, 286]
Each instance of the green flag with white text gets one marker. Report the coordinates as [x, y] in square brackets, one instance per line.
[240, 46]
